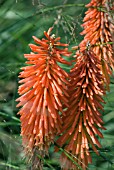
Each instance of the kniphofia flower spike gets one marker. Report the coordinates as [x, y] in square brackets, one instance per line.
[98, 32]
[83, 117]
[43, 93]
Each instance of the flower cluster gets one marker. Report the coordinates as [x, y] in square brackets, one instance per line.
[98, 33]
[43, 93]
[83, 118]
[54, 102]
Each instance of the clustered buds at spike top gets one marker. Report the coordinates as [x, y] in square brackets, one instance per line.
[43, 93]
[98, 33]
[83, 118]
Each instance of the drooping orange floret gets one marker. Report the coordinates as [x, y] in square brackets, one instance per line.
[83, 117]
[42, 93]
[98, 32]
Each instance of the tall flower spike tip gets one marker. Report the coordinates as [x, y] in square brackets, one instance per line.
[98, 32]
[83, 118]
[42, 93]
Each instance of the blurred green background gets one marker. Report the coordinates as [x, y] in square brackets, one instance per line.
[19, 21]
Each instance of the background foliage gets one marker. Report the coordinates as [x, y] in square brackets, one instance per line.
[19, 21]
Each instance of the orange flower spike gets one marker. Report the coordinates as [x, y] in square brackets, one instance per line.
[98, 32]
[43, 93]
[82, 118]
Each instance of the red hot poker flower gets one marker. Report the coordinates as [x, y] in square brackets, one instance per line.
[83, 118]
[98, 32]
[42, 93]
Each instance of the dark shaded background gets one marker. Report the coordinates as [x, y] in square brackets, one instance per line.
[19, 21]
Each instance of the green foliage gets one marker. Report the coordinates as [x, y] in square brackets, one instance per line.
[20, 20]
